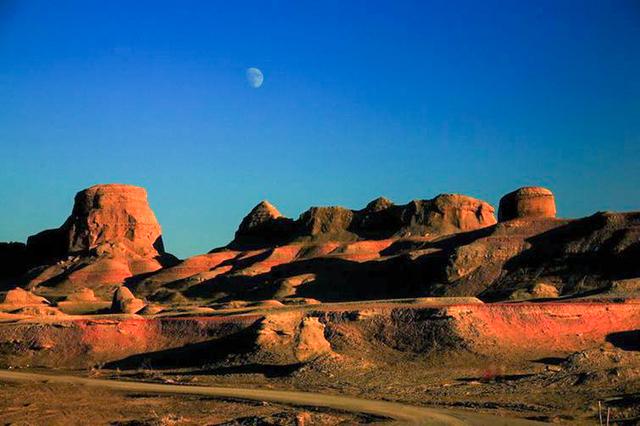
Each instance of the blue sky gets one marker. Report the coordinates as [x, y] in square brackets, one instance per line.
[360, 99]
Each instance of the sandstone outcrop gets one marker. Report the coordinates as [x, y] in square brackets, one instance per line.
[82, 295]
[527, 202]
[450, 245]
[111, 235]
[21, 297]
[125, 302]
[291, 337]
[537, 291]
[38, 311]
[447, 214]
[111, 218]
[260, 215]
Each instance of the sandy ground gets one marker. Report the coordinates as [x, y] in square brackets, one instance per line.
[399, 412]
[65, 404]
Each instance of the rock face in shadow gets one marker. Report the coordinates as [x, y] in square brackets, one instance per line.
[527, 202]
[264, 226]
[332, 221]
[13, 262]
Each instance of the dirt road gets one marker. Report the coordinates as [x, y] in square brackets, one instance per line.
[396, 411]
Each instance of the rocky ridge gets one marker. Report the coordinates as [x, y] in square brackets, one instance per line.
[450, 245]
[264, 226]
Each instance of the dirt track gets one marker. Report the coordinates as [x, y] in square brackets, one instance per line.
[399, 412]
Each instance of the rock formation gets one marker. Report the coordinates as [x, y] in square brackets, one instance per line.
[450, 245]
[446, 214]
[261, 214]
[263, 226]
[82, 295]
[110, 218]
[332, 221]
[380, 219]
[125, 302]
[527, 202]
[111, 235]
[291, 337]
[21, 297]
[537, 291]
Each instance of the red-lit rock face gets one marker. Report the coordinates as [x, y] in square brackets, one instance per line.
[527, 202]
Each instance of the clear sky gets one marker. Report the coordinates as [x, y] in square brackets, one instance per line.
[360, 99]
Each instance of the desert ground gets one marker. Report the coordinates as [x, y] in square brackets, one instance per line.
[433, 312]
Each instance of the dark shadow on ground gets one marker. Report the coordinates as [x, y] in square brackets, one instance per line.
[192, 355]
[550, 360]
[625, 340]
[498, 378]
[267, 370]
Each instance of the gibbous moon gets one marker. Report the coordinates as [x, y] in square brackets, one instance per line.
[254, 77]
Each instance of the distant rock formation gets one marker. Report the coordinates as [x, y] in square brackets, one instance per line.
[264, 226]
[111, 218]
[331, 221]
[527, 202]
[450, 245]
[111, 235]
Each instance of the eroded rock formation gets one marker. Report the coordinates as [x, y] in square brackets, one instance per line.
[125, 302]
[112, 234]
[111, 218]
[380, 219]
[447, 246]
[264, 225]
[21, 297]
[527, 202]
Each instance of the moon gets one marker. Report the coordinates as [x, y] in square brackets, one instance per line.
[254, 77]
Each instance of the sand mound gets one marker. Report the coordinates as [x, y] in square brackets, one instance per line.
[266, 304]
[19, 296]
[82, 295]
